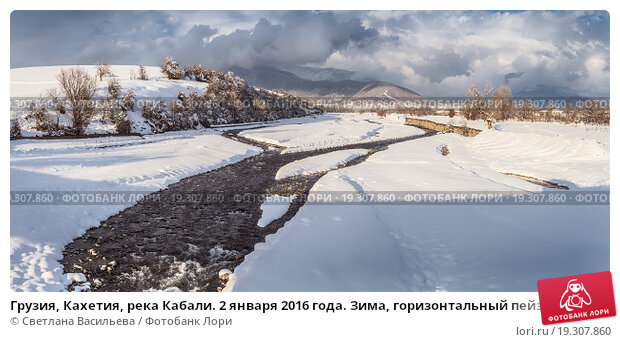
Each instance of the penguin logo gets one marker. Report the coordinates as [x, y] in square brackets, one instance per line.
[575, 296]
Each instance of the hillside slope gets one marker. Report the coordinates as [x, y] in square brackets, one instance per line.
[247, 104]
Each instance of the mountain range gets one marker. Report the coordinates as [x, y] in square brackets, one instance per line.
[331, 82]
[320, 82]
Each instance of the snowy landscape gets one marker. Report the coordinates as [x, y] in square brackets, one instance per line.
[337, 247]
[289, 150]
[441, 247]
[39, 233]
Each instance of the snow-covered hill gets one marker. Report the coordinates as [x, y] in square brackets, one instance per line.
[36, 82]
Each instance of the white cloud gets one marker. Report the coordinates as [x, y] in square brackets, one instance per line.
[437, 49]
[431, 52]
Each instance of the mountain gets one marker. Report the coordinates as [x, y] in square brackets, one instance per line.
[320, 82]
[318, 74]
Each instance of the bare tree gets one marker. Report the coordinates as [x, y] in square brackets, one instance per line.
[548, 112]
[79, 88]
[595, 111]
[477, 102]
[525, 110]
[103, 70]
[39, 114]
[502, 103]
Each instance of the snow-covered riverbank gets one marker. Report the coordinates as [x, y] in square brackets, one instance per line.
[346, 247]
[120, 164]
[439, 247]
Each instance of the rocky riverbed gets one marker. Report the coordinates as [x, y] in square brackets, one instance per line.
[195, 227]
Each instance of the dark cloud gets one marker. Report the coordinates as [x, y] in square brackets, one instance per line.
[69, 37]
[512, 75]
[43, 38]
[432, 52]
[441, 64]
[298, 38]
[440, 52]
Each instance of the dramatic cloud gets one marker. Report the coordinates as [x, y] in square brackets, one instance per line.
[295, 38]
[434, 53]
[441, 52]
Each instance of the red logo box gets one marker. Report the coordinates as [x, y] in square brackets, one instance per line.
[576, 298]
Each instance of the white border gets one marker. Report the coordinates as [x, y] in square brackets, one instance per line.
[485, 325]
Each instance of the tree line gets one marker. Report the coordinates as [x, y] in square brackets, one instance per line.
[227, 99]
[499, 105]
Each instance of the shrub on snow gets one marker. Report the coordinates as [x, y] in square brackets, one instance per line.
[114, 88]
[16, 129]
[156, 115]
[128, 103]
[142, 75]
[38, 114]
[171, 69]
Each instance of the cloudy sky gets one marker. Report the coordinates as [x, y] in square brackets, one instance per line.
[435, 53]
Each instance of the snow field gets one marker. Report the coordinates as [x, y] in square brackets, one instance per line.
[347, 247]
[40, 232]
[320, 163]
[332, 130]
[342, 247]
